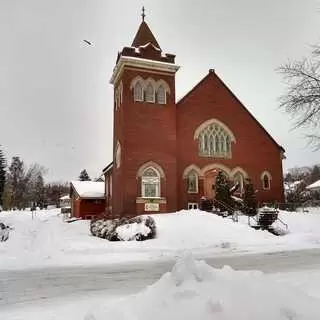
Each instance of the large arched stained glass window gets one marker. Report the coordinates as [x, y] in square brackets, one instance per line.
[214, 141]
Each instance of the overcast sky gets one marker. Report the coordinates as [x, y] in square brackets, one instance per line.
[55, 98]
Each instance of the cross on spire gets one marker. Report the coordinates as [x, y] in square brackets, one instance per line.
[143, 15]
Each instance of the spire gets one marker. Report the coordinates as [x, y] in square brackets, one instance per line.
[143, 15]
[144, 34]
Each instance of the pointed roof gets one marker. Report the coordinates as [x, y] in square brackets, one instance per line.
[211, 74]
[144, 36]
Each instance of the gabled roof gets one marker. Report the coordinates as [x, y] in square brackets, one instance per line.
[108, 167]
[88, 189]
[144, 36]
[213, 74]
[314, 186]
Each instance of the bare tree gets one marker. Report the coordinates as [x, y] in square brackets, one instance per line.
[302, 97]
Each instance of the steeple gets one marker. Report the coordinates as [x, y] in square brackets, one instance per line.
[145, 52]
[144, 34]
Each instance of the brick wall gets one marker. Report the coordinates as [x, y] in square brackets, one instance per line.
[254, 150]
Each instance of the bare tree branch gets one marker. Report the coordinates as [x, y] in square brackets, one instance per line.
[302, 97]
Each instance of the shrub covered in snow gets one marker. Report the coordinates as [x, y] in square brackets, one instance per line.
[4, 232]
[125, 229]
[194, 290]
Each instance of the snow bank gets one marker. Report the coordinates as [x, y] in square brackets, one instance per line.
[48, 241]
[194, 290]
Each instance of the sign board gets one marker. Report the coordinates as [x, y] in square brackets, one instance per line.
[151, 207]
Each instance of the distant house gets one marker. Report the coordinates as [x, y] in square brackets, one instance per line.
[87, 199]
[65, 201]
[314, 186]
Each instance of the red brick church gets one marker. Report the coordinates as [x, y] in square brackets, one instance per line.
[167, 153]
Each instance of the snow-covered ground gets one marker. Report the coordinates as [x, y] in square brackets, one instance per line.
[48, 241]
[191, 290]
[194, 290]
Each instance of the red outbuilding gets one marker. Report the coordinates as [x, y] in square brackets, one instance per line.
[87, 199]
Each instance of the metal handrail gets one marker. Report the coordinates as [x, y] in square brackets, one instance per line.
[223, 204]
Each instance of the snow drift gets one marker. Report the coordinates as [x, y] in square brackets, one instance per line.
[194, 290]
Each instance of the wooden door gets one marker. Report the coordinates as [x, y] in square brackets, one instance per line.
[209, 181]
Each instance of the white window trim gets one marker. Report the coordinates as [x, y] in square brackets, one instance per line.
[118, 155]
[269, 176]
[110, 186]
[144, 182]
[193, 204]
[221, 148]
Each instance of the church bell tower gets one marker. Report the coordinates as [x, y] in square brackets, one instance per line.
[144, 178]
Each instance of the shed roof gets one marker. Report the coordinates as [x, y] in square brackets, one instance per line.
[314, 186]
[88, 189]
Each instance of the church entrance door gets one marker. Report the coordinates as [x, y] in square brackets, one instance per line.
[209, 181]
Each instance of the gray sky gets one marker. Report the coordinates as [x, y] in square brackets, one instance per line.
[55, 97]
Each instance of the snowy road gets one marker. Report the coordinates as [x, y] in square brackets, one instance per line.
[35, 285]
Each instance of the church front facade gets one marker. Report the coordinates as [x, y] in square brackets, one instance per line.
[168, 153]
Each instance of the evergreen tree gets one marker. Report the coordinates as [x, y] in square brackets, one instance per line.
[2, 175]
[222, 192]
[84, 175]
[249, 199]
[7, 194]
[18, 182]
[315, 174]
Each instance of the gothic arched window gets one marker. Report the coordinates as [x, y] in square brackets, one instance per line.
[161, 95]
[238, 179]
[214, 140]
[192, 181]
[266, 180]
[150, 183]
[138, 92]
[149, 93]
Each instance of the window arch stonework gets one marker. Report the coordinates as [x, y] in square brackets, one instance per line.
[214, 139]
[118, 155]
[149, 90]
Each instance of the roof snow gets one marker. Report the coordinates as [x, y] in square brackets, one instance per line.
[292, 185]
[314, 186]
[65, 197]
[89, 189]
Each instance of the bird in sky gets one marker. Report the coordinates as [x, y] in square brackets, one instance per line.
[87, 42]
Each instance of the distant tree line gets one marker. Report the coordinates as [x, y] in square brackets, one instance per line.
[23, 186]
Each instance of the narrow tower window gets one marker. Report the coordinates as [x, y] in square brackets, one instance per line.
[138, 92]
[149, 94]
[161, 95]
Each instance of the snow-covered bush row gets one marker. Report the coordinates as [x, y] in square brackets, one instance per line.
[194, 290]
[4, 232]
[125, 229]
